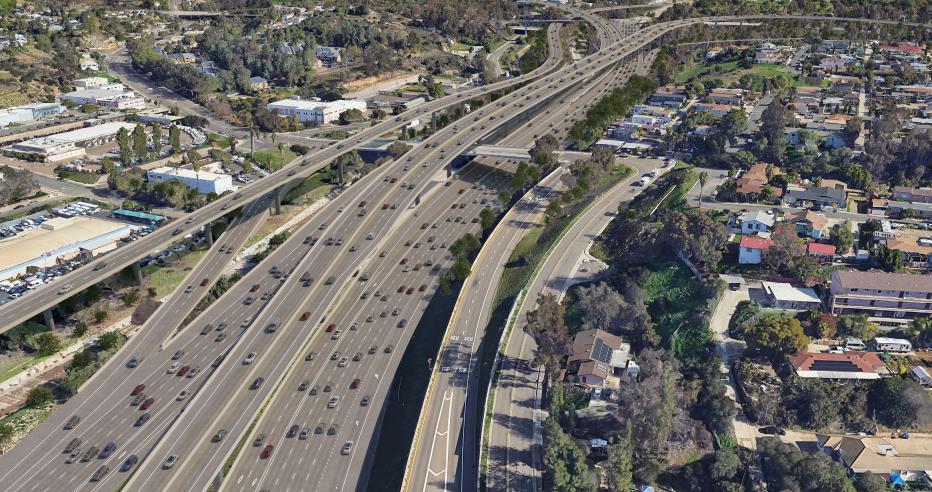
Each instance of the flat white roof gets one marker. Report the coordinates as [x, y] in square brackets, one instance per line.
[892, 340]
[786, 292]
[32, 244]
[189, 173]
[91, 132]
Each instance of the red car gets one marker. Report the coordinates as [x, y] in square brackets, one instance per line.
[453, 206]
[184, 370]
[422, 288]
[254, 288]
[146, 404]
[401, 289]
[331, 327]
[410, 290]
[267, 451]
[384, 206]
[403, 261]
[305, 316]
[204, 282]
[462, 190]
[354, 384]
[394, 180]
[362, 203]
[138, 389]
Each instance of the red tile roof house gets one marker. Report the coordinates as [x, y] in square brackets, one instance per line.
[824, 253]
[847, 367]
[751, 250]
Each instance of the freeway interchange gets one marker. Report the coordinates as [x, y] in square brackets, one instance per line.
[279, 384]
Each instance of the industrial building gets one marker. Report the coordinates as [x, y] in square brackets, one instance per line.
[319, 112]
[203, 181]
[29, 112]
[138, 217]
[114, 96]
[56, 240]
[67, 145]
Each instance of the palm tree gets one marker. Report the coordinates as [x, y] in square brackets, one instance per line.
[703, 179]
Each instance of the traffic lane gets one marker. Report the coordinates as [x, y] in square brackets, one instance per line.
[455, 371]
[87, 399]
[391, 264]
[272, 284]
[164, 390]
[356, 313]
[380, 236]
[345, 197]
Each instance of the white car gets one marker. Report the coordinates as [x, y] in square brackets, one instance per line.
[251, 356]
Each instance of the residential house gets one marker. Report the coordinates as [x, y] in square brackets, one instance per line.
[209, 67]
[902, 460]
[848, 367]
[823, 253]
[182, 58]
[328, 56]
[915, 253]
[258, 83]
[670, 96]
[751, 250]
[756, 221]
[889, 299]
[716, 110]
[807, 223]
[782, 295]
[89, 63]
[753, 181]
[598, 358]
[909, 209]
[908, 194]
[718, 95]
[821, 196]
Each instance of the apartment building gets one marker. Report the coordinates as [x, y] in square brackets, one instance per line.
[889, 299]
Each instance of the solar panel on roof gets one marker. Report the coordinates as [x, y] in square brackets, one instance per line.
[601, 352]
[835, 365]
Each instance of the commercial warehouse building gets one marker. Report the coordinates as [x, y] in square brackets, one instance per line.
[29, 112]
[203, 181]
[58, 239]
[114, 96]
[68, 145]
[319, 112]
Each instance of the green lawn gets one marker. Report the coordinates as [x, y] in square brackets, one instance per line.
[168, 278]
[273, 160]
[220, 140]
[702, 70]
[414, 88]
[86, 178]
[310, 190]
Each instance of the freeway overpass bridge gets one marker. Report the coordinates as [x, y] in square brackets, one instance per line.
[521, 153]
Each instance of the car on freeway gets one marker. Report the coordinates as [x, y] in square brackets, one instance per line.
[184, 370]
[258, 441]
[347, 448]
[138, 389]
[355, 384]
[256, 383]
[319, 429]
[304, 384]
[182, 395]
[304, 433]
[75, 456]
[177, 355]
[336, 335]
[100, 473]
[332, 403]
[328, 387]
[357, 357]
[293, 431]
[205, 282]
[146, 404]
[128, 464]
[267, 451]
[72, 445]
[170, 461]
[364, 402]
[72, 422]
[373, 349]
[107, 451]
[343, 362]
[333, 429]
[142, 420]
[314, 390]
[254, 288]
[139, 399]
[172, 368]
[389, 348]
[192, 372]
[89, 454]
[251, 356]
[310, 356]
[330, 327]
[219, 435]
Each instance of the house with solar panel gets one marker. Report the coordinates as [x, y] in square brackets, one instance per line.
[848, 367]
[599, 359]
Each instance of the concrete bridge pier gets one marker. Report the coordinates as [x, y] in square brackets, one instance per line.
[49, 320]
[137, 272]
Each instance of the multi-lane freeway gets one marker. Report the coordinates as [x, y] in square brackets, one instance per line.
[245, 354]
